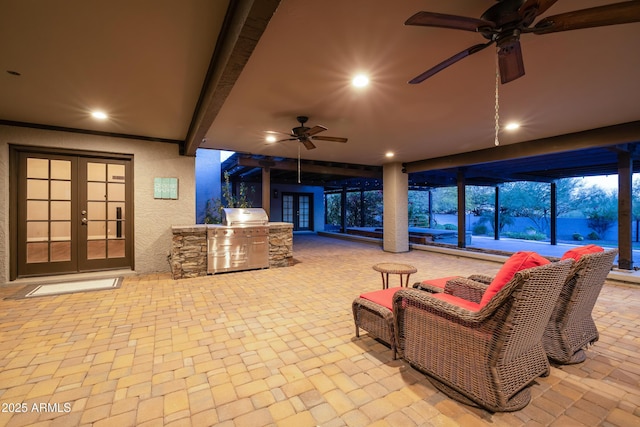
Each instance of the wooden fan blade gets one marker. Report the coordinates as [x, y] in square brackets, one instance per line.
[308, 144]
[611, 14]
[316, 129]
[430, 19]
[540, 6]
[447, 62]
[510, 62]
[331, 138]
[288, 139]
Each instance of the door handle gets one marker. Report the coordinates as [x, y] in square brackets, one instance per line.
[85, 221]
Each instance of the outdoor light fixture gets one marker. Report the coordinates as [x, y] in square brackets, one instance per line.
[275, 193]
[360, 80]
[100, 115]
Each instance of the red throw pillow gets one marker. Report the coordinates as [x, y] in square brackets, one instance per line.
[439, 283]
[383, 297]
[518, 261]
[460, 302]
[576, 253]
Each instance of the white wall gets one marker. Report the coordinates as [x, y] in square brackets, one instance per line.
[152, 218]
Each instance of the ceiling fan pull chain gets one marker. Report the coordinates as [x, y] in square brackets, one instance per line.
[497, 142]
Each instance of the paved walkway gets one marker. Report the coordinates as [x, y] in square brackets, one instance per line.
[275, 347]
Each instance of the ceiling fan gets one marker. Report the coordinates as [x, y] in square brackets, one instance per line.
[505, 21]
[305, 134]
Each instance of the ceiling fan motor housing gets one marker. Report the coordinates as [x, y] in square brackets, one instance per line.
[302, 129]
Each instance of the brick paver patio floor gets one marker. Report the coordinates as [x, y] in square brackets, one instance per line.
[275, 347]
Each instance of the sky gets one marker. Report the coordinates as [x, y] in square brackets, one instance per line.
[604, 181]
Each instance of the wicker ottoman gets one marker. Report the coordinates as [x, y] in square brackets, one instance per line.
[371, 313]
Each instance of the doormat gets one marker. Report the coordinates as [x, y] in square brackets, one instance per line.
[32, 291]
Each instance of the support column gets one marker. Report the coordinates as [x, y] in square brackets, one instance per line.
[266, 191]
[395, 192]
[554, 214]
[430, 209]
[462, 210]
[496, 215]
[343, 210]
[625, 172]
[362, 208]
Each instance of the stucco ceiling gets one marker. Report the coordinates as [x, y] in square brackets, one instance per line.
[146, 62]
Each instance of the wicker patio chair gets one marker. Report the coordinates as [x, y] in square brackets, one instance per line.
[482, 355]
[571, 327]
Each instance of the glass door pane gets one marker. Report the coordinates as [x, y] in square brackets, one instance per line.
[105, 221]
[287, 208]
[48, 210]
[303, 212]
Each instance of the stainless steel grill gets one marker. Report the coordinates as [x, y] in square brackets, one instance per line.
[240, 243]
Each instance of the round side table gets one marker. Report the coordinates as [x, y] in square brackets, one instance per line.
[387, 268]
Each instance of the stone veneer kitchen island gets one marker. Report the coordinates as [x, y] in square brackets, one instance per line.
[188, 256]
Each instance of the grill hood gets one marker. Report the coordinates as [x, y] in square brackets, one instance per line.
[244, 217]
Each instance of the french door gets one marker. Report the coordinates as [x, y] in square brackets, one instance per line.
[73, 213]
[297, 208]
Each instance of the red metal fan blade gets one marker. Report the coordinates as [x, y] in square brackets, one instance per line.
[331, 138]
[611, 14]
[444, 64]
[430, 19]
[510, 62]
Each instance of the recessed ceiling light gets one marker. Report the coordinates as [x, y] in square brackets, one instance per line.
[512, 126]
[389, 154]
[360, 80]
[100, 115]
[270, 138]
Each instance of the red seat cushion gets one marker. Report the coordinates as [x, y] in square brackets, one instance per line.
[460, 302]
[439, 283]
[576, 253]
[518, 261]
[383, 297]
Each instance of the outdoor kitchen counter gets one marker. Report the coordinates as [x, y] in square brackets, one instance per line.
[188, 257]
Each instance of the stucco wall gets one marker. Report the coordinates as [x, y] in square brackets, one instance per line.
[152, 218]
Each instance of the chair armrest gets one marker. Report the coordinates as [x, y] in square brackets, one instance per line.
[465, 288]
[427, 288]
[428, 303]
[482, 278]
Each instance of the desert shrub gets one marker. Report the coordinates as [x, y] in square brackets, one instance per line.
[480, 229]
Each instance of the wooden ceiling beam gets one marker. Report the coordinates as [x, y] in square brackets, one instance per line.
[292, 165]
[244, 24]
[611, 135]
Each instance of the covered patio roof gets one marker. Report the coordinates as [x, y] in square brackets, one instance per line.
[546, 160]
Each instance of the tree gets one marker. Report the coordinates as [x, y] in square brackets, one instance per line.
[213, 208]
[600, 209]
[532, 200]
